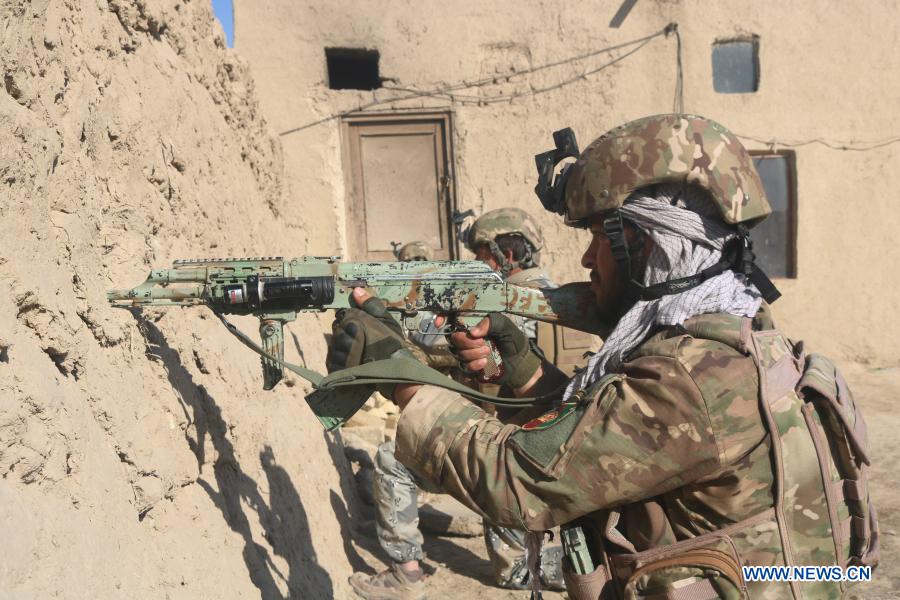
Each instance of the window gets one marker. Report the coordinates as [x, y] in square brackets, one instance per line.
[774, 240]
[352, 69]
[735, 66]
[399, 184]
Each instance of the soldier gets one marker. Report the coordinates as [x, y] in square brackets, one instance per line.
[414, 251]
[509, 241]
[699, 439]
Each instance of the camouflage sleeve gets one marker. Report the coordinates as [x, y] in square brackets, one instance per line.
[642, 433]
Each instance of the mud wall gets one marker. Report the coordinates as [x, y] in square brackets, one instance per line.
[139, 457]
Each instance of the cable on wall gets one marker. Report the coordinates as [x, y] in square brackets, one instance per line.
[447, 92]
[847, 146]
[452, 93]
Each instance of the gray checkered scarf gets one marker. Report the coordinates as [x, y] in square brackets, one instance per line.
[688, 236]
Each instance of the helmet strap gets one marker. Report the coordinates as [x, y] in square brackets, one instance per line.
[745, 263]
[506, 265]
[624, 254]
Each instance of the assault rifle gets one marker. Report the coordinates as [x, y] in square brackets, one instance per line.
[275, 290]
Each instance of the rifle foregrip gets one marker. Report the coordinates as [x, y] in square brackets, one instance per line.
[271, 332]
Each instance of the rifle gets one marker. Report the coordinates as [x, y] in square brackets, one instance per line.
[275, 290]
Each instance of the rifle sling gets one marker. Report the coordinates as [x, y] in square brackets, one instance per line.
[307, 374]
[406, 370]
[390, 370]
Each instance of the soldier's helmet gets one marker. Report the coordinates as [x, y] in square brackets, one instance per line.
[669, 148]
[662, 149]
[415, 251]
[504, 221]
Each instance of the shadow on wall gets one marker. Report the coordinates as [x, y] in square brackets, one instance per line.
[284, 520]
[349, 515]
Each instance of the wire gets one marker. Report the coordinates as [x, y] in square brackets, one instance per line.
[678, 102]
[445, 92]
[482, 100]
[494, 79]
[848, 146]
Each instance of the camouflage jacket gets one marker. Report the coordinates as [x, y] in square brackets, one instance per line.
[670, 448]
[636, 434]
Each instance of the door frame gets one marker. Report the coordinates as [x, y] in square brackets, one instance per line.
[449, 187]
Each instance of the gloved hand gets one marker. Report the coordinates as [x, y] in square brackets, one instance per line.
[366, 334]
[520, 362]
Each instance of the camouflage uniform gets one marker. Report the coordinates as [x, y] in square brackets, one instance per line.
[395, 488]
[717, 443]
[397, 512]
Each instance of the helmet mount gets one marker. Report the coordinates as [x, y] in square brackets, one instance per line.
[551, 189]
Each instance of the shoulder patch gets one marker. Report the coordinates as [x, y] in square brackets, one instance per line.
[542, 439]
[549, 418]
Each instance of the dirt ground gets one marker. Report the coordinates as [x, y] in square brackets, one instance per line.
[464, 571]
[879, 392]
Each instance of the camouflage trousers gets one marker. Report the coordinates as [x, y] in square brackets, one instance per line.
[397, 525]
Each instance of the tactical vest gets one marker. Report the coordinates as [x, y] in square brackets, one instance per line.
[822, 514]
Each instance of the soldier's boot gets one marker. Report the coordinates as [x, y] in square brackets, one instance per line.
[391, 584]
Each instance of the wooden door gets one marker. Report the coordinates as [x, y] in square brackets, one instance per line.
[399, 184]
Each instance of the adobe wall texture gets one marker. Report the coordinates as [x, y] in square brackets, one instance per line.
[826, 72]
[139, 456]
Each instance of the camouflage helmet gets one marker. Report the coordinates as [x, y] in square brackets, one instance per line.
[415, 251]
[670, 148]
[495, 225]
[504, 221]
